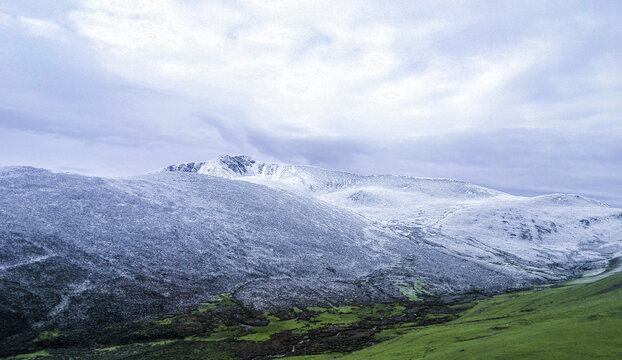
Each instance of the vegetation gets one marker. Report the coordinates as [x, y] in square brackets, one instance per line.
[35, 355]
[47, 336]
[413, 290]
[579, 319]
[582, 321]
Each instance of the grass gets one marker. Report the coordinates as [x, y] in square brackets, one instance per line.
[221, 300]
[341, 316]
[219, 334]
[390, 333]
[166, 321]
[165, 349]
[577, 320]
[147, 344]
[581, 321]
[34, 355]
[412, 291]
[109, 349]
[222, 330]
[276, 325]
[47, 336]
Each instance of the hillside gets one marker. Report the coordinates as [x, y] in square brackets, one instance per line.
[482, 225]
[82, 251]
[574, 320]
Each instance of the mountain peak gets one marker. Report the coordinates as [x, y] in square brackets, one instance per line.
[238, 164]
[223, 166]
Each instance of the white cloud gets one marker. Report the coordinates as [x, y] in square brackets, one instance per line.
[368, 70]
[326, 83]
[39, 27]
[323, 67]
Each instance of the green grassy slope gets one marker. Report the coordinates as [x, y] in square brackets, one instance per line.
[580, 321]
[577, 320]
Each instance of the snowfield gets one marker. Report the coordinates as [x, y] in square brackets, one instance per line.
[468, 220]
[84, 250]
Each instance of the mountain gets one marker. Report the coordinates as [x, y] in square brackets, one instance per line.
[466, 220]
[79, 250]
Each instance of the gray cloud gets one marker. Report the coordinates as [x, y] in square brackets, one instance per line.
[521, 161]
[520, 96]
[330, 151]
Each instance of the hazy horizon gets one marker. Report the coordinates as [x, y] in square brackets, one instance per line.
[522, 97]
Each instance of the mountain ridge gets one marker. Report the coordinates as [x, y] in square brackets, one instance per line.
[242, 165]
[451, 213]
[81, 250]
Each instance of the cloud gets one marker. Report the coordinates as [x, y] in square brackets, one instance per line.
[334, 68]
[296, 65]
[524, 96]
[520, 161]
[292, 146]
[39, 27]
[70, 128]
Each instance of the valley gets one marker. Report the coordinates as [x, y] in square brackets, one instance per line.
[572, 320]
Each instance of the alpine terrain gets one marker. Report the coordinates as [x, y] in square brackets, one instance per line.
[80, 252]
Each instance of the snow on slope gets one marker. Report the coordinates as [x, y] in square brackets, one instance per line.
[85, 250]
[76, 249]
[407, 198]
[466, 220]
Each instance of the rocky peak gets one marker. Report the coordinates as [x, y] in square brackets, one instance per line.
[237, 164]
[224, 165]
[185, 167]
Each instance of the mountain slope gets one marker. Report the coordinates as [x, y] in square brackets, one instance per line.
[465, 220]
[79, 250]
[84, 250]
[570, 322]
[575, 320]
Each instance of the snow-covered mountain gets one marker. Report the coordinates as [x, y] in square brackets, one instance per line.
[84, 250]
[467, 220]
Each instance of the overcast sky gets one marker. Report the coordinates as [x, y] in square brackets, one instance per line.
[519, 96]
